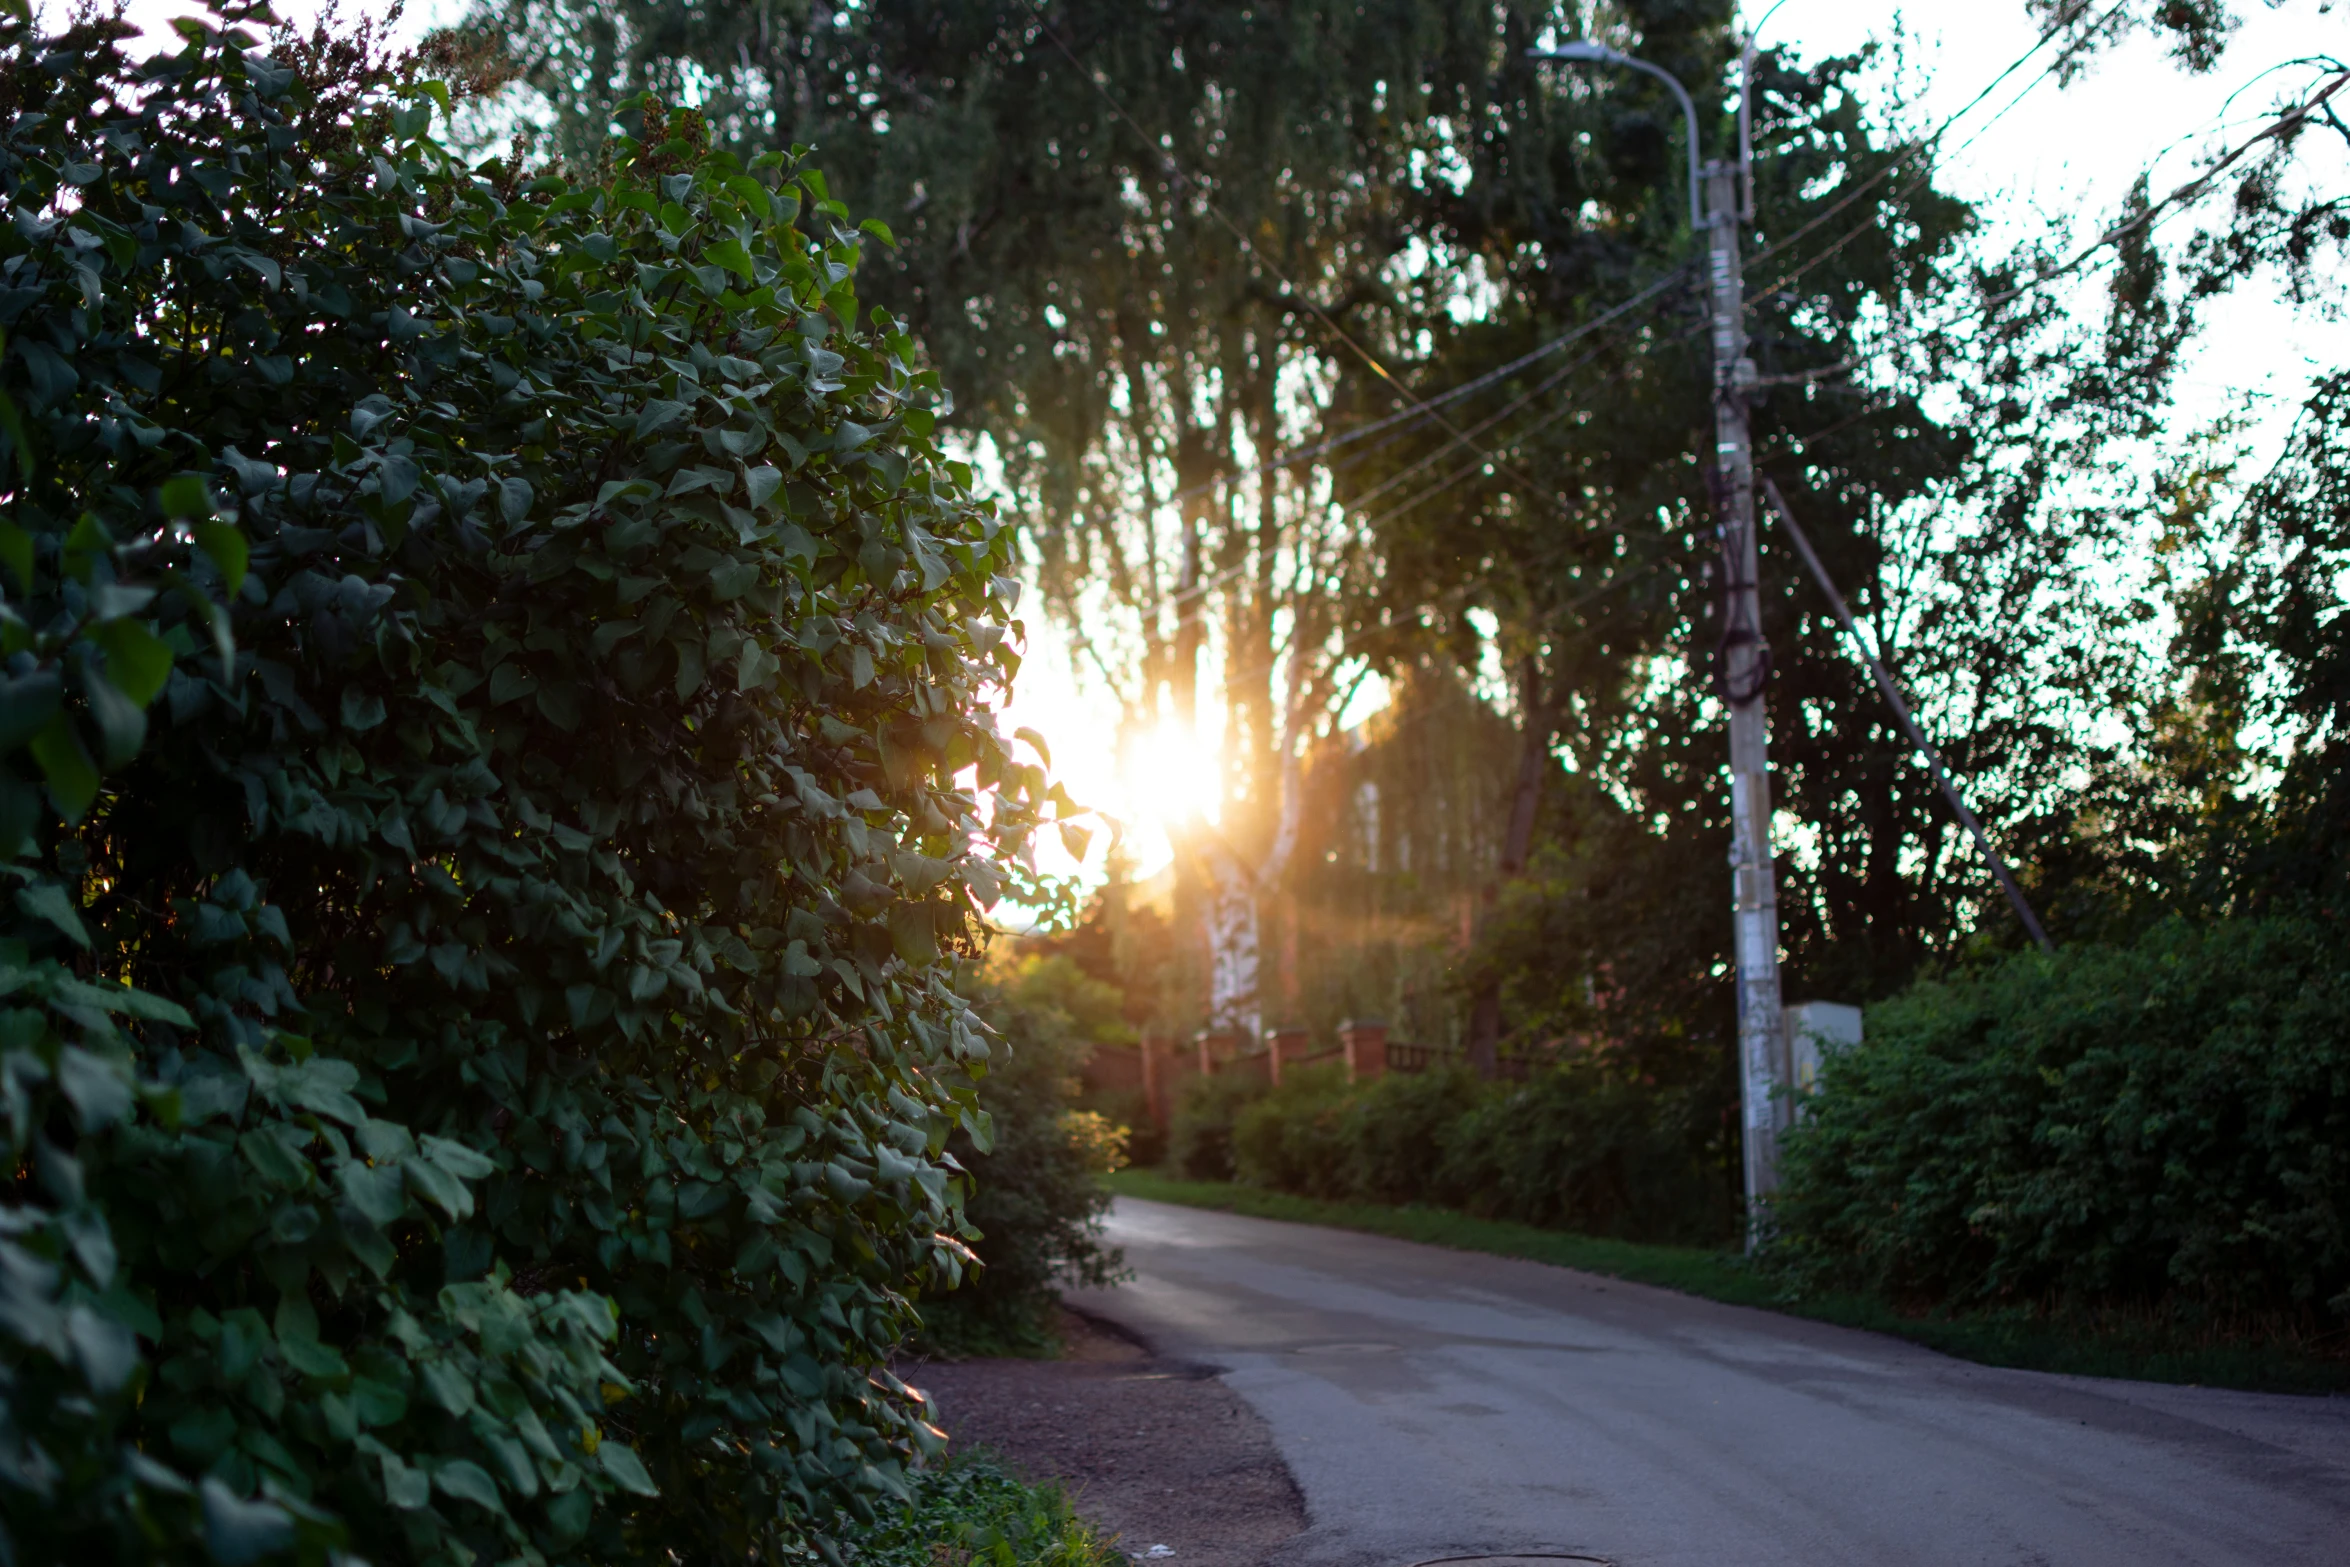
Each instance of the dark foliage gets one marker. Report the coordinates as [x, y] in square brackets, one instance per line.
[972, 1511]
[1036, 1197]
[2161, 1125]
[2262, 606]
[1964, 446]
[487, 664]
[1200, 1129]
[1576, 1147]
[1589, 1150]
[1290, 1138]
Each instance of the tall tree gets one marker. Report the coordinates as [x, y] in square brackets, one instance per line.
[1146, 245]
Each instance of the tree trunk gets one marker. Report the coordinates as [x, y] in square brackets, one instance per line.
[1235, 953]
[1541, 722]
[1232, 922]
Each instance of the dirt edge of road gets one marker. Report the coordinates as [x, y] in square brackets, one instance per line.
[1154, 1452]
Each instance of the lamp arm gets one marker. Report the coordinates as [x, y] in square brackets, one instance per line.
[1689, 115]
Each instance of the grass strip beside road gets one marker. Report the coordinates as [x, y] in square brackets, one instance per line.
[973, 1509]
[2117, 1347]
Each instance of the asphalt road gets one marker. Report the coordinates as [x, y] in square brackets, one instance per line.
[1435, 1403]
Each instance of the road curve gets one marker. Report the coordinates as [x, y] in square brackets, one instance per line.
[1435, 1403]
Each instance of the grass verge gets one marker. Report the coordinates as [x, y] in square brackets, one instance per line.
[971, 1512]
[2146, 1349]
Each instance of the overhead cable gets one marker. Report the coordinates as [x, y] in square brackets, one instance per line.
[1912, 151]
[1178, 179]
[2155, 212]
[1419, 409]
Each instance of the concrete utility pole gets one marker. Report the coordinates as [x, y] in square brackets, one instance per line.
[1764, 1069]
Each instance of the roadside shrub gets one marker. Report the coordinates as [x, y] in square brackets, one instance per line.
[1396, 1131]
[487, 661]
[1199, 1132]
[1036, 1196]
[1574, 1148]
[2161, 1124]
[1129, 1113]
[1291, 1139]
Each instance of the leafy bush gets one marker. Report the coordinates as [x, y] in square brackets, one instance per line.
[1128, 1113]
[1397, 1133]
[1572, 1148]
[971, 1513]
[1576, 1148]
[487, 662]
[1036, 1198]
[1291, 1139]
[1199, 1131]
[2162, 1124]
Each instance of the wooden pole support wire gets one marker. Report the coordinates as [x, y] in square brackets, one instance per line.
[1917, 736]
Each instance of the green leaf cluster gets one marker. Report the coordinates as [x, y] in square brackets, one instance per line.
[494, 771]
[972, 1513]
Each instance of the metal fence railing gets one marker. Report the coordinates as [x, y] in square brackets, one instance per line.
[1405, 1057]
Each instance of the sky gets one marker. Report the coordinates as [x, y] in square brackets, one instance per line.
[2033, 150]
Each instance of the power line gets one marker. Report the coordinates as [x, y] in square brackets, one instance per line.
[1416, 410]
[1917, 735]
[1471, 468]
[1940, 131]
[1424, 409]
[2053, 65]
[1176, 177]
[1208, 584]
[1896, 162]
[1851, 196]
[1490, 420]
[2155, 213]
[1419, 409]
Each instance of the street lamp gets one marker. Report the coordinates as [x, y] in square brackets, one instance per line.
[1764, 1066]
[1584, 52]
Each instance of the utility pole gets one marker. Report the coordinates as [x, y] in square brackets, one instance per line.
[1763, 1066]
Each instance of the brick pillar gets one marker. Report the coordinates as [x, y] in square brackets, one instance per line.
[1288, 915]
[1216, 1047]
[1285, 1044]
[1365, 1041]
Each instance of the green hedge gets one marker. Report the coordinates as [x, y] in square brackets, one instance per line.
[1201, 1122]
[1574, 1147]
[487, 665]
[2164, 1125]
[1287, 1139]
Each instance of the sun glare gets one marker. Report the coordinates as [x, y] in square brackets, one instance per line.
[1148, 781]
[1170, 778]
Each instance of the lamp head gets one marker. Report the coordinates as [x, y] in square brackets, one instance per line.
[1582, 51]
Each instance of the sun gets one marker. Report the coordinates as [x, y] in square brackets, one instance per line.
[1151, 776]
[1169, 777]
